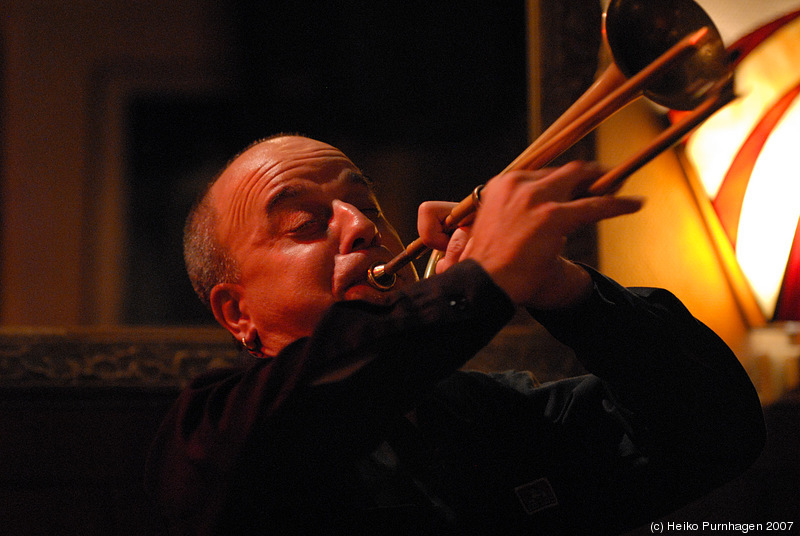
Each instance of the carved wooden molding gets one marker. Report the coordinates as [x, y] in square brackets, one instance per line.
[132, 357]
[157, 358]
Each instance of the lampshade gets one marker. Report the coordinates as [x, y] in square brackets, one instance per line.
[746, 156]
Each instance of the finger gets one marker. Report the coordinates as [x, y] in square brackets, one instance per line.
[430, 216]
[591, 210]
[547, 184]
[455, 249]
[571, 180]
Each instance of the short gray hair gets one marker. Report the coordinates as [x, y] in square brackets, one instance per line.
[208, 262]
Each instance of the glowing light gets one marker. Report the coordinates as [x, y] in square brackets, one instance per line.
[770, 206]
[760, 79]
[770, 211]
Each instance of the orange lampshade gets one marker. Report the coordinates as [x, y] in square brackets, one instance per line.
[746, 156]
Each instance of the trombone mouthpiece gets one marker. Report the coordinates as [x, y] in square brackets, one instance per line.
[378, 278]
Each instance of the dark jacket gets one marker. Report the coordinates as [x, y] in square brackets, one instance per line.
[666, 415]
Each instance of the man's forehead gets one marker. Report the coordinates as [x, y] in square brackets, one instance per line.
[290, 157]
[281, 168]
[348, 182]
[270, 159]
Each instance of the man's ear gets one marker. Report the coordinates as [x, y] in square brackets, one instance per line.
[225, 301]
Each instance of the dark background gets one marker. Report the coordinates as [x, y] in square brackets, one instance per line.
[434, 95]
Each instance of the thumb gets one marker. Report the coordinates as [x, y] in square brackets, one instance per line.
[455, 248]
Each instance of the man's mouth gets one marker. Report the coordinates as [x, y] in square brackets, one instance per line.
[355, 284]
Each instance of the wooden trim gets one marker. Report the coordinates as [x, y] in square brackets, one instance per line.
[749, 309]
[130, 357]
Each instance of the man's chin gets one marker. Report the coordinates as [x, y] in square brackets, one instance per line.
[367, 293]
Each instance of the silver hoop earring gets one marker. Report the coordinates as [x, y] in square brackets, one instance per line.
[254, 348]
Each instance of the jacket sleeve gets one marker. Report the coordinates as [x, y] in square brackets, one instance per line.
[666, 415]
[403, 350]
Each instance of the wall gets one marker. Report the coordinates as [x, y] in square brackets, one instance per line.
[55, 56]
[670, 243]
[430, 109]
[667, 244]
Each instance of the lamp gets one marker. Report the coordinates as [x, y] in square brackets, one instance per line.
[746, 157]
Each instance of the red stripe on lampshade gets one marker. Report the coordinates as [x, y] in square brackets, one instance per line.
[729, 199]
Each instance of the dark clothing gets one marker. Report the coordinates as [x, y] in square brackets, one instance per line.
[666, 415]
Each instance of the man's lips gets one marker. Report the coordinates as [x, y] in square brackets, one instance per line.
[368, 293]
[354, 268]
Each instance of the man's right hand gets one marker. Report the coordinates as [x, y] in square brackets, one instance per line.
[520, 228]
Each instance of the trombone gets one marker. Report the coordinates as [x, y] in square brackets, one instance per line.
[677, 60]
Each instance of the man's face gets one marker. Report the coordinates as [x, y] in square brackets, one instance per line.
[304, 226]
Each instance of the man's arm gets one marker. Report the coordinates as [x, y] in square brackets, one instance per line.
[688, 417]
[668, 412]
[278, 405]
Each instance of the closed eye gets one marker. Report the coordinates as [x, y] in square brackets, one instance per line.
[305, 225]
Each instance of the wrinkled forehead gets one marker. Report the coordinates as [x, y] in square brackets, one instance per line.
[269, 166]
[284, 158]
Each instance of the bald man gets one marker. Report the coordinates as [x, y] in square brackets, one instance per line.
[349, 414]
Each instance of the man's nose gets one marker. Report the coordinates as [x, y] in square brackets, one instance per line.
[357, 230]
